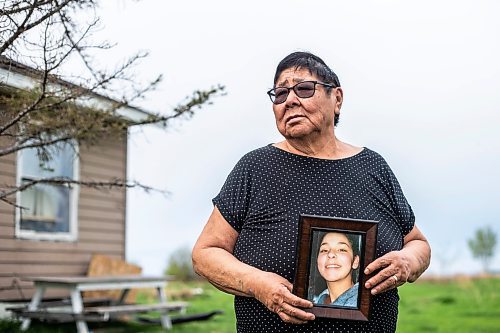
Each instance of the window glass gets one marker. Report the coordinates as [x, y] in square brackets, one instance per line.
[61, 165]
[46, 208]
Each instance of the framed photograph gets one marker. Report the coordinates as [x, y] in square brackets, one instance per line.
[332, 254]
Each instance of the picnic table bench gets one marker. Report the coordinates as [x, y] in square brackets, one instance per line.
[81, 313]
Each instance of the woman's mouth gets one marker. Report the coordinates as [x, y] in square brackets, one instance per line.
[293, 118]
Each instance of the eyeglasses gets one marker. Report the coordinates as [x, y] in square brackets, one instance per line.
[304, 89]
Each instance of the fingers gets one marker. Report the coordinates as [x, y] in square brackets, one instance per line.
[293, 315]
[298, 302]
[393, 271]
[383, 281]
[275, 292]
[287, 306]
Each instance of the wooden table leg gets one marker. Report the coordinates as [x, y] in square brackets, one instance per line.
[166, 322]
[35, 301]
[77, 305]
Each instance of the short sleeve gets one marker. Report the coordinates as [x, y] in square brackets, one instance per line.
[400, 206]
[233, 199]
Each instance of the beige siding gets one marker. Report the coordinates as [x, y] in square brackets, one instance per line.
[101, 225]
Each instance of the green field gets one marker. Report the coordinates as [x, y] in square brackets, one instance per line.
[456, 306]
[461, 306]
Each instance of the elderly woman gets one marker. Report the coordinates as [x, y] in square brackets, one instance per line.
[247, 247]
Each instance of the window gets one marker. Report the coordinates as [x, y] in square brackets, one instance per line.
[48, 211]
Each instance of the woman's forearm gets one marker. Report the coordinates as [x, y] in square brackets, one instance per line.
[223, 270]
[418, 253]
[213, 258]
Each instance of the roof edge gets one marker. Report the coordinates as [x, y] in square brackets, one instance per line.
[20, 76]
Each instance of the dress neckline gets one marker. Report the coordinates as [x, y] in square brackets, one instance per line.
[361, 152]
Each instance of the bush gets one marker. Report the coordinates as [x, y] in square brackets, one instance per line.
[180, 265]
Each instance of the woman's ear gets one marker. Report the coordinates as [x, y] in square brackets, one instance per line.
[339, 96]
[355, 262]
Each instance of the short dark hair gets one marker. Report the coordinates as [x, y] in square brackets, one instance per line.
[354, 240]
[314, 64]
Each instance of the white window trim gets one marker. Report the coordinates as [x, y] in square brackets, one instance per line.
[74, 194]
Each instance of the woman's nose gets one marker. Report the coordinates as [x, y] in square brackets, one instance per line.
[331, 254]
[291, 100]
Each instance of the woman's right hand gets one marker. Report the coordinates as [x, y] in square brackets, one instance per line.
[275, 292]
[213, 258]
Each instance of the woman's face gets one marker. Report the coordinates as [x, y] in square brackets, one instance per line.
[302, 117]
[336, 258]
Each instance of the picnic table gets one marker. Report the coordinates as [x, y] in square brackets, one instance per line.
[81, 314]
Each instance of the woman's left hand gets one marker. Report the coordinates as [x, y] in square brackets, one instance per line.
[393, 271]
[398, 267]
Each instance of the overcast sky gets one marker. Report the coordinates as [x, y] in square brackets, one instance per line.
[421, 85]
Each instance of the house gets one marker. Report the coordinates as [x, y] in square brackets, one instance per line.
[63, 226]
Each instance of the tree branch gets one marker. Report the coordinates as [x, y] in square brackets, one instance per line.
[42, 143]
[56, 110]
[25, 27]
[18, 10]
[9, 190]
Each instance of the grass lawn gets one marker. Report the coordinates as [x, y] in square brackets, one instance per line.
[210, 300]
[461, 305]
[457, 306]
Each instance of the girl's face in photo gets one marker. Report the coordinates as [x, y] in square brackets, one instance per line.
[336, 258]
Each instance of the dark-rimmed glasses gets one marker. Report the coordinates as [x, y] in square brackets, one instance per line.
[304, 89]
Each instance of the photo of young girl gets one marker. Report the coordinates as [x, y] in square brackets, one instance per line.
[334, 273]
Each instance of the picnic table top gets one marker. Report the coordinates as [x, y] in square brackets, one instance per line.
[97, 279]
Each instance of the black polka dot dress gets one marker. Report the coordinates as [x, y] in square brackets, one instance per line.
[262, 199]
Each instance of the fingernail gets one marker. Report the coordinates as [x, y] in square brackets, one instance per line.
[374, 291]
[368, 285]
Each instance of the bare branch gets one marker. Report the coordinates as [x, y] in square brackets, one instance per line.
[9, 190]
[68, 33]
[25, 27]
[16, 10]
[46, 33]
[9, 202]
[20, 145]
[20, 29]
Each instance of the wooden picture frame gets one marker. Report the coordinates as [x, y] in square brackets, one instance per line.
[310, 283]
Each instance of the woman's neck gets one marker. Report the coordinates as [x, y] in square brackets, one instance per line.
[329, 148]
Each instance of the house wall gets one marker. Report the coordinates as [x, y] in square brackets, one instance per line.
[101, 225]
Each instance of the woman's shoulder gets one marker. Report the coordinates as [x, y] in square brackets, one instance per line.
[258, 154]
[255, 159]
[369, 152]
[375, 159]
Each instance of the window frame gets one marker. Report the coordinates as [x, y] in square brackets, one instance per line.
[74, 191]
